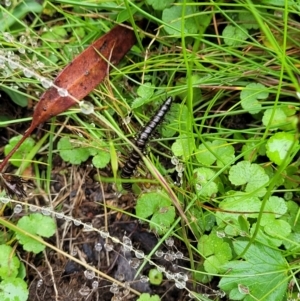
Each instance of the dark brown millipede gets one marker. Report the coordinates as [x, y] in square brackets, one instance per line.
[141, 141]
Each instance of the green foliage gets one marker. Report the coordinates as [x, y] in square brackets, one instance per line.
[248, 20]
[251, 95]
[144, 94]
[234, 36]
[13, 289]
[219, 151]
[282, 118]
[155, 277]
[260, 276]
[15, 95]
[205, 182]
[252, 176]
[18, 12]
[215, 251]
[54, 36]
[192, 21]
[176, 120]
[21, 152]
[232, 206]
[158, 4]
[234, 186]
[36, 224]
[147, 297]
[158, 206]
[279, 145]
[12, 286]
[76, 151]
[183, 146]
[9, 263]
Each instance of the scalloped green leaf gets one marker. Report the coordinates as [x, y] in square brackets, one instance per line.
[144, 92]
[9, 262]
[251, 175]
[147, 297]
[158, 206]
[263, 272]
[205, 181]
[278, 228]
[234, 36]
[36, 224]
[248, 20]
[13, 289]
[101, 153]
[275, 207]
[215, 250]
[72, 150]
[218, 150]
[282, 118]
[193, 22]
[158, 4]
[279, 145]
[238, 204]
[183, 146]
[21, 152]
[250, 96]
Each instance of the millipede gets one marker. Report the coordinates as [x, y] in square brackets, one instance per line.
[141, 141]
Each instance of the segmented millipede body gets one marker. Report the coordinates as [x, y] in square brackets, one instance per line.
[141, 141]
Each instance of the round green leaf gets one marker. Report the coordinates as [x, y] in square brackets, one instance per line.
[72, 150]
[205, 184]
[183, 146]
[36, 224]
[155, 277]
[9, 263]
[250, 95]
[279, 145]
[158, 205]
[13, 289]
[21, 152]
[278, 228]
[253, 175]
[234, 36]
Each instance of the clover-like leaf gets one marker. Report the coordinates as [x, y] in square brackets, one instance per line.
[145, 92]
[262, 274]
[183, 146]
[72, 151]
[147, 297]
[157, 205]
[279, 145]
[158, 4]
[238, 204]
[9, 262]
[36, 224]
[13, 289]
[21, 152]
[101, 153]
[248, 20]
[205, 181]
[193, 23]
[251, 175]
[234, 36]
[274, 208]
[218, 150]
[215, 251]
[282, 118]
[250, 96]
[278, 229]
